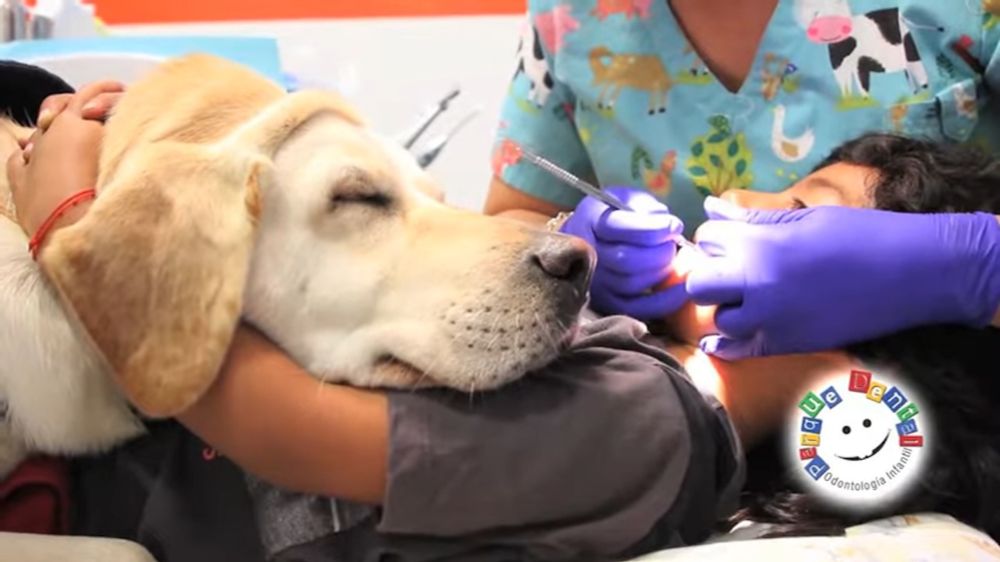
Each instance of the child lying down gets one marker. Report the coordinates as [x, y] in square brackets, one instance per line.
[624, 445]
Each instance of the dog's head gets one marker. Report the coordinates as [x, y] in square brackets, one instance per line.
[325, 236]
[356, 262]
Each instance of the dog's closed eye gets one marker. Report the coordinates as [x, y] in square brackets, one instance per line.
[357, 187]
[373, 199]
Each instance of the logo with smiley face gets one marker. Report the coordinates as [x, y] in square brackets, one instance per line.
[859, 441]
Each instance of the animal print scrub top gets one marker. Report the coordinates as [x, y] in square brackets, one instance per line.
[612, 91]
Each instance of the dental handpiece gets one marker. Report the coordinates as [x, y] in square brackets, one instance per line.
[587, 188]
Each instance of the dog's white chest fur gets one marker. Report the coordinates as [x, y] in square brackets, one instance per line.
[58, 397]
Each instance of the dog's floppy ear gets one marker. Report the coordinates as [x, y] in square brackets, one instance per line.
[155, 270]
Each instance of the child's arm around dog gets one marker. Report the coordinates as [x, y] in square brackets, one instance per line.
[310, 437]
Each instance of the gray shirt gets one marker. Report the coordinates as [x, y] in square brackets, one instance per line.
[607, 453]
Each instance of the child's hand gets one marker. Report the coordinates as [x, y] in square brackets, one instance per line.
[95, 102]
[54, 165]
[60, 159]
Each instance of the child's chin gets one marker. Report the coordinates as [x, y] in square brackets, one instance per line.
[689, 324]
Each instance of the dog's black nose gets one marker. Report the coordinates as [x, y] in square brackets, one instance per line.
[566, 258]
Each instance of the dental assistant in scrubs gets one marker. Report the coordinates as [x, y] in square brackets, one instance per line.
[682, 100]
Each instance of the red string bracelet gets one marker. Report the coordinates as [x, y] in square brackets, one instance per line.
[72, 201]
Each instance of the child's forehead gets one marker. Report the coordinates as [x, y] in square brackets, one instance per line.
[851, 184]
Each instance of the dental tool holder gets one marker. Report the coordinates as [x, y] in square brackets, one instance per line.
[433, 148]
[64, 19]
[49, 19]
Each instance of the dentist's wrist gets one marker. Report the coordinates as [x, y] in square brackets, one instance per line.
[992, 270]
[996, 318]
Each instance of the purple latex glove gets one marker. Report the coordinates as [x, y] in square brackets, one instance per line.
[821, 278]
[634, 251]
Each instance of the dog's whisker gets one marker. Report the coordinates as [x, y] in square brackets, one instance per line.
[496, 333]
[546, 333]
[321, 382]
[432, 366]
[425, 373]
[561, 325]
[562, 329]
[474, 317]
[517, 330]
[493, 341]
[420, 379]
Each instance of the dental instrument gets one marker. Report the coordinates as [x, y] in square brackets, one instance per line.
[19, 19]
[427, 118]
[434, 148]
[42, 27]
[6, 22]
[569, 179]
[587, 188]
[66, 19]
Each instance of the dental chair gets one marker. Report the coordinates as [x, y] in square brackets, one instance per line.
[922, 537]
[910, 538]
[19, 547]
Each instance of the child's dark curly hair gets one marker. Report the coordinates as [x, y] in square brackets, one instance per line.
[919, 176]
[956, 369]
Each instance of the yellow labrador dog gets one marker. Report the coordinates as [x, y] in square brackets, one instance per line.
[220, 196]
